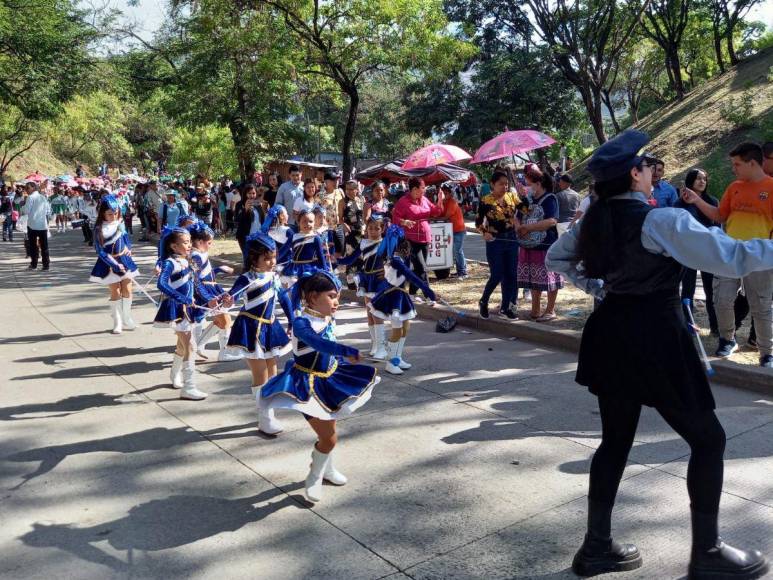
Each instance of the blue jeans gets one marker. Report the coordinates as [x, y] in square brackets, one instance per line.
[8, 227]
[461, 263]
[502, 257]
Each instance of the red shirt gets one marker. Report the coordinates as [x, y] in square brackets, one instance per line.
[416, 211]
[454, 214]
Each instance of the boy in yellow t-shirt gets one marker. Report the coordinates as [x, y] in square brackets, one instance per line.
[746, 209]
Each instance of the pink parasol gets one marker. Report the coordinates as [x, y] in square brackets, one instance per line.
[36, 177]
[511, 143]
[435, 154]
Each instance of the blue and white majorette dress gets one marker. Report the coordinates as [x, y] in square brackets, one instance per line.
[392, 302]
[113, 250]
[207, 287]
[307, 256]
[256, 328]
[283, 236]
[176, 310]
[370, 275]
[317, 382]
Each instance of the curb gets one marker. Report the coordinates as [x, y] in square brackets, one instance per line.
[725, 372]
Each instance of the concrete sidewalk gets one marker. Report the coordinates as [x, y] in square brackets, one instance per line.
[472, 465]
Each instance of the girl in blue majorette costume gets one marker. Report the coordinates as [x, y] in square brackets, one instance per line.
[275, 226]
[256, 330]
[308, 253]
[322, 381]
[177, 309]
[369, 278]
[392, 302]
[115, 267]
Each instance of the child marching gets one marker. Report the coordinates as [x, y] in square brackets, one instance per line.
[317, 382]
[115, 267]
[370, 280]
[393, 302]
[275, 226]
[256, 329]
[308, 250]
[177, 309]
[207, 289]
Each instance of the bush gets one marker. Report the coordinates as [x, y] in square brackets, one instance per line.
[738, 112]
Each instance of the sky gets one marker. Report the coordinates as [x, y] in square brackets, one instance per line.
[149, 14]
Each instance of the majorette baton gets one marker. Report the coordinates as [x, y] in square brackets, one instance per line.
[704, 357]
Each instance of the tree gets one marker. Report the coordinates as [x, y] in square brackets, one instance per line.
[206, 150]
[639, 78]
[726, 15]
[665, 22]
[17, 135]
[586, 38]
[348, 41]
[43, 54]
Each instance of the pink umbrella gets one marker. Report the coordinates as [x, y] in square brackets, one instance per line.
[435, 154]
[511, 143]
[36, 177]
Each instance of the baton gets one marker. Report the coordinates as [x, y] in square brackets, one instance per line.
[453, 310]
[142, 289]
[704, 357]
[145, 287]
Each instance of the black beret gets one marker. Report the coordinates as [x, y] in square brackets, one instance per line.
[617, 156]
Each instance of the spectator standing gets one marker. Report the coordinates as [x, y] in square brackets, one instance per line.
[153, 200]
[746, 210]
[203, 206]
[170, 211]
[38, 212]
[6, 210]
[289, 191]
[536, 234]
[411, 212]
[568, 201]
[662, 191]
[272, 189]
[250, 214]
[379, 205]
[308, 200]
[453, 213]
[331, 195]
[698, 181]
[496, 222]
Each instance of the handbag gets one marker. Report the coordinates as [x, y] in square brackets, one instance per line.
[534, 214]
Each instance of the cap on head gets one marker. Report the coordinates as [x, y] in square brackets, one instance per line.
[619, 155]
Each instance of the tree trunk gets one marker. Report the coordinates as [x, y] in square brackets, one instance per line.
[240, 134]
[730, 45]
[351, 123]
[676, 71]
[611, 109]
[591, 98]
[718, 47]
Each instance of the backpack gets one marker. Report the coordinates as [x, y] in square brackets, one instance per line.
[534, 215]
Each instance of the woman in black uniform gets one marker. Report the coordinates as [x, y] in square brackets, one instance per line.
[637, 349]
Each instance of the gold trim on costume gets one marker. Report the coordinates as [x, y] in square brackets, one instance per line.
[320, 374]
[258, 318]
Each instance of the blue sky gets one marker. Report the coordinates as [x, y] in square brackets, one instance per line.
[149, 13]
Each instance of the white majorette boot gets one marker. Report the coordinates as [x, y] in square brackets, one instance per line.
[403, 363]
[267, 421]
[204, 336]
[332, 475]
[381, 350]
[313, 487]
[393, 361]
[372, 333]
[175, 373]
[126, 314]
[189, 390]
[115, 314]
[225, 353]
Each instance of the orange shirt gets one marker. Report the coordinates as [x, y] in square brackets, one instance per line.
[747, 209]
[454, 214]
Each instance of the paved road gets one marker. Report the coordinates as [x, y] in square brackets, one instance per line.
[472, 465]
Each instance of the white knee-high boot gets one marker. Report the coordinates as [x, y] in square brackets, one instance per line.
[189, 390]
[126, 314]
[372, 333]
[313, 486]
[267, 421]
[393, 361]
[405, 365]
[175, 374]
[115, 314]
[204, 336]
[381, 349]
[332, 475]
[225, 353]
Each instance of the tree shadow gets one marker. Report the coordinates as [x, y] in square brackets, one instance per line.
[61, 408]
[159, 524]
[155, 439]
[125, 369]
[106, 352]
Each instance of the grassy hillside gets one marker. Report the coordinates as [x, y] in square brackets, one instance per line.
[694, 133]
[38, 158]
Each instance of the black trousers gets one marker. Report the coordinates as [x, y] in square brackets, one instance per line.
[86, 228]
[418, 263]
[700, 429]
[689, 279]
[35, 237]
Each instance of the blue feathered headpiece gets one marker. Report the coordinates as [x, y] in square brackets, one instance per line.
[199, 226]
[255, 241]
[271, 217]
[165, 233]
[182, 218]
[110, 201]
[295, 291]
[392, 237]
